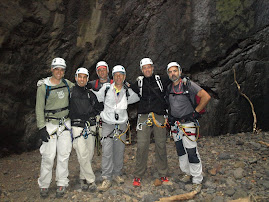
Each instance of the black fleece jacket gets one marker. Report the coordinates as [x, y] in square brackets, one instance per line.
[152, 99]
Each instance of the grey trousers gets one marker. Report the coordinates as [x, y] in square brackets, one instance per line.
[112, 151]
[143, 141]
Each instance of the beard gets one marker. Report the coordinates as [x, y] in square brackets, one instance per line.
[174, 78]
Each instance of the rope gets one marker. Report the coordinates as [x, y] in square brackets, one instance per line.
[181, 127]
[158, 124]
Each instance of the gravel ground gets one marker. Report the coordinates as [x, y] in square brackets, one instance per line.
[234, 165]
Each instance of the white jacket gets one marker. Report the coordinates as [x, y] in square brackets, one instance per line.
[115, 104]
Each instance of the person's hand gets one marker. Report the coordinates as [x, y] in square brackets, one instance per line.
[171, 120]
[44, 135]
[196, 115]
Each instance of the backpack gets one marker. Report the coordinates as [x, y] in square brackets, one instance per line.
[49, 89]
[140, 83]
[186, 93]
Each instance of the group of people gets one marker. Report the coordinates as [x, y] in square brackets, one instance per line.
[67, 115]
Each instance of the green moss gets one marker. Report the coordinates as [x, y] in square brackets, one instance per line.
[235, 16]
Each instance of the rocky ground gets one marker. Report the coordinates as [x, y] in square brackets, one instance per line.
[235, 166]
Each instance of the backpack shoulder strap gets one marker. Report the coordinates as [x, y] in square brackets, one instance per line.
[66, 84]
[48, 89]
[140, 84]
[96, 83]
[159, 82]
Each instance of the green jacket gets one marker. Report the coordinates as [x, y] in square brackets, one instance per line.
[57, 99]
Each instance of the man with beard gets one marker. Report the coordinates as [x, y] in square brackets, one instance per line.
[183, 118]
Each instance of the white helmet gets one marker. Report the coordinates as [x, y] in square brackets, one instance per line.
[82, 70]
[145, 61]
[173, 64]
[118, 68]
[58, 62]
[102, 63]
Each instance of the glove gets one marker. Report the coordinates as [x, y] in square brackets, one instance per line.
[196, 115]
[171, 120]
[44, 135]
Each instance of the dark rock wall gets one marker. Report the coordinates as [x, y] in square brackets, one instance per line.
[207, 38]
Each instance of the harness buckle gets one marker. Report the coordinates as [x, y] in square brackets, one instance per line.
[149, 122]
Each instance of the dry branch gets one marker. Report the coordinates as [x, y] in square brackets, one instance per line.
[264, 143]
[255, 130]
[180, 197]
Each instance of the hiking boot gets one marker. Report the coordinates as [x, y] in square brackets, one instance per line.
[119, 180]
[60, 191]
[197, 187]
[186, 178]
[83, 184]
[137, 182]
[44, 192]
[104, 186]
[92, 187]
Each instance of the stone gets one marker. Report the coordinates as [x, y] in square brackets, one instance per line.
[238, 173]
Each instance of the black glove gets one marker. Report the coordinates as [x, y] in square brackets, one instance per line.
[44, 135]
[196, 114]
[171, 120]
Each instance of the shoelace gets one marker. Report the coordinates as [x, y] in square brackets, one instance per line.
[137, 179]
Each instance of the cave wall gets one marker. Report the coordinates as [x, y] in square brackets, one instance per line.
[208, 38]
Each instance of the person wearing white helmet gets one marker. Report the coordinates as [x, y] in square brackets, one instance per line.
[116, 97]
[102, 71]
[183, 119]
[151, 118]
[52, 102]
[84, 106]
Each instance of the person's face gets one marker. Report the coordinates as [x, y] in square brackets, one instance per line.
[147, 70]
[173, 73]
[118, 78]
[81, 79]
[102, 73]
[58, 73]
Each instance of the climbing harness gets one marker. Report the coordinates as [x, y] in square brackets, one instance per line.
[86, 131]
[181, 127]
[149, 122]
[117, 133]
[61, 127]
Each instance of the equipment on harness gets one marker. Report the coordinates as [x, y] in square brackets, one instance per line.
[117, 133]
[140, 83]
[149, 122]
[86, 131]
[181, 127]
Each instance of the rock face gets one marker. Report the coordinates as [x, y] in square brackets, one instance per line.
[208, 38]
